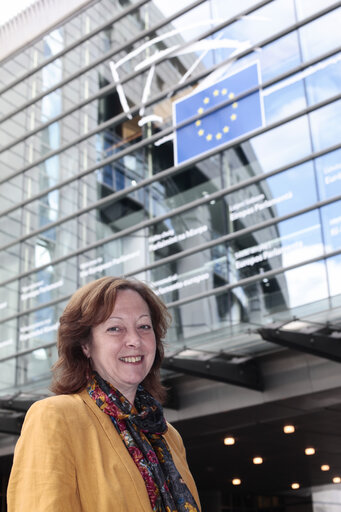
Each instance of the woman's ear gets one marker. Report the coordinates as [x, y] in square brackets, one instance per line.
[86, 351]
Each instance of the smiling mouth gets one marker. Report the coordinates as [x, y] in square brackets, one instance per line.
[131, 359]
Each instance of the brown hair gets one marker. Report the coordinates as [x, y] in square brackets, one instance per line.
[91, 305]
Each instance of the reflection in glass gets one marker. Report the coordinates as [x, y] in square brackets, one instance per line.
[35, 367]
[272, 153]
[7, 376]
[331, 219]
[8, 297]
[322, 34]
[334, 271]
[122, 256]
[49, 283]
[275, 196]
[37, 329]
[325, 126]
[328, 168]
[307, 285]
[281, 245]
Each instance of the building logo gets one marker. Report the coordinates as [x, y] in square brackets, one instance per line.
[230, 117]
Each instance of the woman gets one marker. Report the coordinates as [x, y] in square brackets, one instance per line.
[102, 444]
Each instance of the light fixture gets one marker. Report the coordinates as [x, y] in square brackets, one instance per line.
[295, 485]
[134, 183]
[325, 467]
[288, 429]
[229, 441]
[299, 325]
[257, 460]
[336, 480]
[309, 451]
[236, 481]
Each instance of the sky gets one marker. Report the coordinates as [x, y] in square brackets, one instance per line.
[10, 9]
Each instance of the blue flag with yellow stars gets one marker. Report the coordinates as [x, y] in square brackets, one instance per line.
[224, 124]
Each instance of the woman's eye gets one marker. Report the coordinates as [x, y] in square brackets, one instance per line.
[145, 327]
[114, 329]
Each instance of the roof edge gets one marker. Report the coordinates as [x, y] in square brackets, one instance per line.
[37, 19]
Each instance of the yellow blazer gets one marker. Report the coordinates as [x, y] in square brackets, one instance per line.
[70, 458]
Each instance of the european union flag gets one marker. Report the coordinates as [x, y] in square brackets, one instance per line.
[224, 124]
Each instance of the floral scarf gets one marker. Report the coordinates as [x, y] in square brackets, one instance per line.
[141, 427]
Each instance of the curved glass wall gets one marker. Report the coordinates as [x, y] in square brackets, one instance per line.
[241, 231]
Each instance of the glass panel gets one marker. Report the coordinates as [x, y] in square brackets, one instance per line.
[278, 103]
[119, 257]
[11, 193]
[7, 376]
[194, 274]
[331, 219]
[48, 284]
[325, 126]
[50, 208]
[10, 262]
[270, 151]
[329, 174]
[334, 269]
[276, 196]
[298, 292]
[305, 8]
[35, 367]
[230, 320]
[321, 35]
[287, 243]
[323, 80]
[10, 227]
[40, 327]
[8, 299]
[284, 99]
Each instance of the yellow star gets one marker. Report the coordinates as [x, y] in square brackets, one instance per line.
[234, 105]
[200, 110]
[233, 117]
[226, 129]
[231, 95]
[198, 123]
[201, 132]
[206, 100]
[209, 137]
[216, 92]
[218, 136]
[224, 91]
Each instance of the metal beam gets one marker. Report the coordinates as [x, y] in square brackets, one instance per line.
[244, 374]
[11, 424]
[322, 342]
[13, 403]
[13, 409]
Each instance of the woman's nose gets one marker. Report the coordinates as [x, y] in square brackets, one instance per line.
[133, 338]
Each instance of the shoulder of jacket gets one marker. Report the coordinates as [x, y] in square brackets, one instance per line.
[56, 403]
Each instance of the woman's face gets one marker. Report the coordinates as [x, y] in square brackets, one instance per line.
[123, 347]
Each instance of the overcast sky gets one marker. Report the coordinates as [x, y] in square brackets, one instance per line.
[10, 8]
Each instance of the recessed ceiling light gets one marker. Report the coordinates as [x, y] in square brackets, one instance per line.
[288, 429]
[257, 460]
[325, 467]
[309, 451]
[295, 485]
[336, 480]
[236, 481]
[228, 441]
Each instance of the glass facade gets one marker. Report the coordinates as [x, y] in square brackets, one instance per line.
[234, 222]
